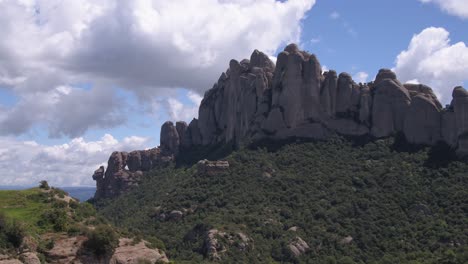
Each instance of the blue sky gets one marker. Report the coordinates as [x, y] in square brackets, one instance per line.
[81, 80]
[368, 35]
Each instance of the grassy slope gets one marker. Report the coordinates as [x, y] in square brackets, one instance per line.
[328, 189]
[24, 205]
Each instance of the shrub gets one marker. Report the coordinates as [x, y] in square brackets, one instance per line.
[12, 233]
[85, 210]
[44, 185]
[102, 241]
[56, 217]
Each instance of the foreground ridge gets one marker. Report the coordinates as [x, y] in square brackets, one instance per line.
[256, 99]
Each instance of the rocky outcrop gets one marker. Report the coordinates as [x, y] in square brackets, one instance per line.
[390, 105]
[298, 247]
[212, 168]
[255, 99]
[30, 258]
[129, 252]
[170, 140]
[66, 250]
[216, 243]
[70, 250]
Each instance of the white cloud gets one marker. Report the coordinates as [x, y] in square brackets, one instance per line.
[145, 46]
[361, 77]
[184, 112]
[334, 15]
[324, 68]
[65, 111]
[315, 40]
[70, 164]
[433, 60]
[454, 7]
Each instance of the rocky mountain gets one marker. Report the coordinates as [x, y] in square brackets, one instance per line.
[256, 100]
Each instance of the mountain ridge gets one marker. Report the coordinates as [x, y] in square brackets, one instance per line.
[255, 100]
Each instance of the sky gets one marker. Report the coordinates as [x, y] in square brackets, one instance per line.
[81, 79]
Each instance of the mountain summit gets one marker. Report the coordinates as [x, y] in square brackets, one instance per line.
[256, 100]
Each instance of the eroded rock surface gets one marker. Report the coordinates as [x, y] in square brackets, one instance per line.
[212, 168]
[298, 246]
[131, 253]
[255, 99]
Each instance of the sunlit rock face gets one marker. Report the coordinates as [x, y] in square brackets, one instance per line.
[255, 99]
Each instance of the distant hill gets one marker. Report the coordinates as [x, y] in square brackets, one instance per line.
[80, 193]
[331, 201]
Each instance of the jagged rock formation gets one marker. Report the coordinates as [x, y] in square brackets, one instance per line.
[256, 99]
[125, 169]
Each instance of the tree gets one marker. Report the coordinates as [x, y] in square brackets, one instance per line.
[44, 185]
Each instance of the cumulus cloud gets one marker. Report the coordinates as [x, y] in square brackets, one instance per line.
[454, 7]
[144, 46]
[179, 110]
[361, 77]
[67, 111]
[69, 164]
[433, 60]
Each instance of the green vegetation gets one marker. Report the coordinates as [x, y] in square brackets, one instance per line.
[399, 205]
[102, 240]
[11, 233]
[44, 185]
[40, 214]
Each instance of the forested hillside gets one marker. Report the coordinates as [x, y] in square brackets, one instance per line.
[331, 201]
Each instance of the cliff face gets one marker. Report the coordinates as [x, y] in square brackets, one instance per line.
[124, 169]
[254, 99]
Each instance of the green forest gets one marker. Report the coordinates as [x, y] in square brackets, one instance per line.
[351, 202]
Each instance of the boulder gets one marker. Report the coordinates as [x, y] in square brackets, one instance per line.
[175, 215]
[298, 247]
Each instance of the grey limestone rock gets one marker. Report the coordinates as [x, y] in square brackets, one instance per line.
[390, 105]
[169, 139]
